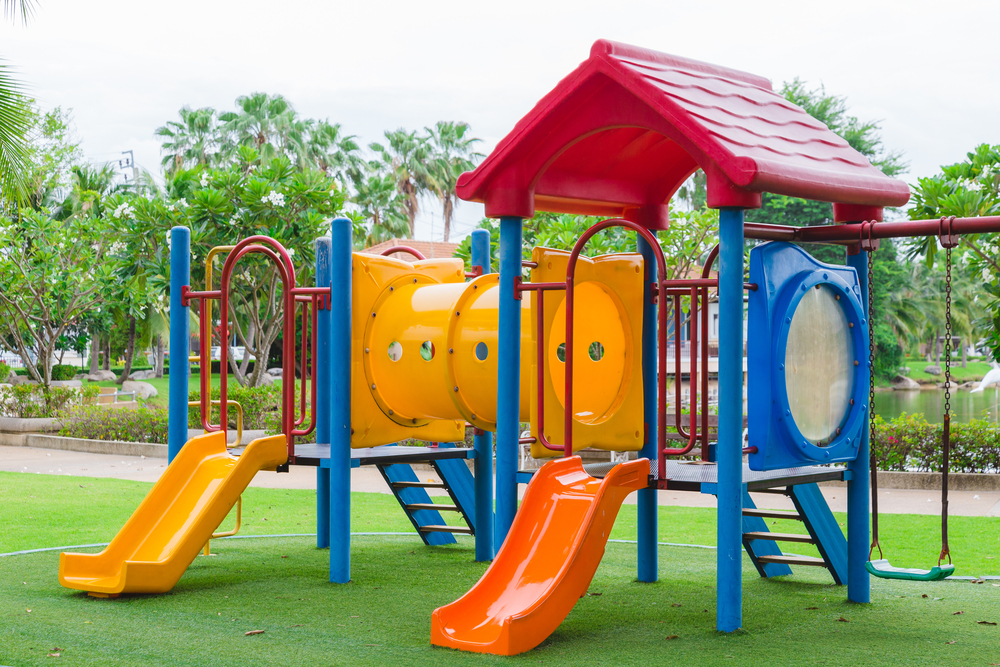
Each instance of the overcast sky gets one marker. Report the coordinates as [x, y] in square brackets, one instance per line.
[930, 71]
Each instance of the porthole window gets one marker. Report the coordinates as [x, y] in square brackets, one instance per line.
[596, 351]
[482, 351]
[395, 350]
[427, 350]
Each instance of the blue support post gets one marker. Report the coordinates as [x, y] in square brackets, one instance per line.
[340, 400]
[321, 369]
[646, 500]
[729, 453]
[483, 440]
[180, 341]
[858, 583]
[508, 385]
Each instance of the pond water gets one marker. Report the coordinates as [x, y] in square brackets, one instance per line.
[965, 405]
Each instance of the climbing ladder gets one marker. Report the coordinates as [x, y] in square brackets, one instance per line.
[423, 512]
[823, 531]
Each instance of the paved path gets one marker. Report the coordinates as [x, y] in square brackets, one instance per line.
[59, 462]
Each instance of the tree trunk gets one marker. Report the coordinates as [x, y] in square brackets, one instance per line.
[447, 213]
[937, 349]
[159, 356]
[107, 352]
[95, 351]
[129, 352]
[965, 355]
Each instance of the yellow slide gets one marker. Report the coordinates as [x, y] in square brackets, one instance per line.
[546, 563]
[176, 519]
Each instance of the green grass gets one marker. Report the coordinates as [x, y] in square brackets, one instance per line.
[974, 370]
[162, 387]
[383, 616]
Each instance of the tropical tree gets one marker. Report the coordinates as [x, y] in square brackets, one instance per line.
[452, 153]
[264, 122]
[381, 211]
[15, 121]
[406, 157]
[192, 141]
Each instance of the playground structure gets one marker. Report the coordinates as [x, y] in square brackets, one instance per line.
[393, 350]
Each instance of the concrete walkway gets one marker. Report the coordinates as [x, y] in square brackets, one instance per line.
[29, 460]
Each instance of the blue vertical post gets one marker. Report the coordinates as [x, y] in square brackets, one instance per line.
[340, 400]
[508, 384]
[321, 371]
[858, 583]
[647, 515]
[180, 341]
[729, 453]
[483, 440]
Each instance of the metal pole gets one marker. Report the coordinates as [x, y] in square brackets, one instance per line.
[322, 379]
[508, 382]
[858, 582]
[180, 341]
[647, 513]
[729, 451]
[340, 401]
[483, 440]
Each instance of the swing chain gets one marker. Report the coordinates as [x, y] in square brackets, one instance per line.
[946, 433]
[947, 333]
[872, 462]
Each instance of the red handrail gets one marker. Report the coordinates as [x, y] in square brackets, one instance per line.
[403, 248]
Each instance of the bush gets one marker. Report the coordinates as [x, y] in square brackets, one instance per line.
[27, 401]
[257, 403]
[143, 424]
[888, 353]
[4, 372]
[909, 442]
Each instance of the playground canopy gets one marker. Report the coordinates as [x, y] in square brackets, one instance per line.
[623, 131]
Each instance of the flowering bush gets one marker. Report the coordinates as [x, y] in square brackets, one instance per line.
[257, 404]
[142, 424]
[29, 400]
[909, 442]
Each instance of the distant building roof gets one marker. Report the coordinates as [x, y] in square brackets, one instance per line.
[429, 249]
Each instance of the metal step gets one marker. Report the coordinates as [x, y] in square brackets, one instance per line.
[779, 537]
[432, 506]
[771, 514]
[793, 560]
[418, 485]
[446, 529]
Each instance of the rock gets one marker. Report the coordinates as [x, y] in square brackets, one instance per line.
[79, 376]
[266, 379]
[142, 375]
[904, 370]
[275, 372]
[142, 390]
[903, 383]
[66, 383]
[969, 385]
[100, 376]
[933, 370]
[19, 379]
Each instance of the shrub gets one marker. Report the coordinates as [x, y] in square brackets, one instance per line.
[143, 424]
[62, 372]
[257, 403]
[27, 401]
[4, 372]
[909, 442]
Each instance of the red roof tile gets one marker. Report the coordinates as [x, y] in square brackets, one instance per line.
[429, 249]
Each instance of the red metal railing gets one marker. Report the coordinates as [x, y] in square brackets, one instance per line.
[852, 234]
[403, 248]
[312, 299]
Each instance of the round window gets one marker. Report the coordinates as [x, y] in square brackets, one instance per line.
[819, 365]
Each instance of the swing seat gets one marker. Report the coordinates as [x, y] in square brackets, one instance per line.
[883, 570]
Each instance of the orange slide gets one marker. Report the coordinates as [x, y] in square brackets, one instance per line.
[546, 563]
[176, 519]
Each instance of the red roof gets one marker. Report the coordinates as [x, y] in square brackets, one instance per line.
[622, 132]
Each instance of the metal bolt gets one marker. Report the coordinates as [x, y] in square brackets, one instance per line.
[850, 325]
[391, 288]
[855, 362]
[473, 417]
[373, 314]
[373, 385]
[457, 313]
[451, 350]
[390, 413]
[475, 287]
[414, 280]
[366, 350]
[414, 421]
[456, 388]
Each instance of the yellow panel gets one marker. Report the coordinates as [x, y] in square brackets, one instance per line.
[607, 396]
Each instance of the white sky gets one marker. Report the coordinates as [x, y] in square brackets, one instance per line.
[929, 70]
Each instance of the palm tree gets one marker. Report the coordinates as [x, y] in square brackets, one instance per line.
[325, 146]
[262, 121]
[452, 154]
[15, 119]
[406, 159]
[192, 141]
[380, 203]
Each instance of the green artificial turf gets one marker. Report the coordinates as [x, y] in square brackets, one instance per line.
[279, 585]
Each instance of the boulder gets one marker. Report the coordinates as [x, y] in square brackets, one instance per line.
[903, 383]
[933, 370]
[142, 390]
[100, 376]
[142, 375]
[275, 372]
[21, 379]
[266, 380]
[66, 383]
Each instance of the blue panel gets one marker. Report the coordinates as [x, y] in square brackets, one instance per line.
[180, 342]
[646, 498]
[729, 558]
[402, 472]
[858, 582]
[462, 485]
[783, 273]
[756, 524]
[823, 527]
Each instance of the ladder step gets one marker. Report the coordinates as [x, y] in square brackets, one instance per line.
[779, 537]
[793, 560]
[418, 485]
[771, 514]
[432, 506]
[446, 529]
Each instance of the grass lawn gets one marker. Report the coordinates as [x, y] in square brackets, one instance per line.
[974, 370]
[279, 585]
[162, 387]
